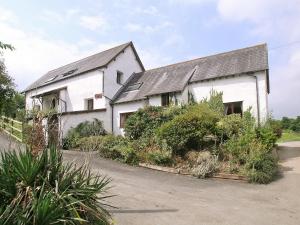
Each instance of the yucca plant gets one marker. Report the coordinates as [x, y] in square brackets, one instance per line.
[42, 190]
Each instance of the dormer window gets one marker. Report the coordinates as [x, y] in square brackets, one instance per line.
[120, 78]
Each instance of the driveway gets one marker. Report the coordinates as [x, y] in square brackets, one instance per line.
[147, 197]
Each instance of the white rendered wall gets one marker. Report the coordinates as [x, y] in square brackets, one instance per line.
[241, 88]
[126, 63]
[78, 89]
[124, 108]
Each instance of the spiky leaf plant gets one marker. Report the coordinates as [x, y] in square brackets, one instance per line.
[42, 190]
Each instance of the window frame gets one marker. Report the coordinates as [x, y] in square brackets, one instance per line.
[232, 106]
[120, 76]
[165, 96]
[123, 120]
[87, 104]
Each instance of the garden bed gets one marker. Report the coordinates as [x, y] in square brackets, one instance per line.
[226, 176]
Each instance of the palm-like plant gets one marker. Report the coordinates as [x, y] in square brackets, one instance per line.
[41, 190]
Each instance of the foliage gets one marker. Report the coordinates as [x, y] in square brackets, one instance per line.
[276, 127]
[6, 46]
[261, 166]
[206, 164]
[267, 136]
[215, 102]
[90, 143]
[44, 190]
[84, 129]
[251, 148]
[143, 122]
[117, 147]
[90, 128]
[289, 135]
[189, 129]
[11, 102]
[230, 125]
[291, 123]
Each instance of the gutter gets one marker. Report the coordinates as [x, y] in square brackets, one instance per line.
[257, 98]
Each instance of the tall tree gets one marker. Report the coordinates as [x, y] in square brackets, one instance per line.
[7, 86]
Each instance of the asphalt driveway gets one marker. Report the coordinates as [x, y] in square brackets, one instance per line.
[147, 197]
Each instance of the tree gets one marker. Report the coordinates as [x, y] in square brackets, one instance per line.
[10, 100]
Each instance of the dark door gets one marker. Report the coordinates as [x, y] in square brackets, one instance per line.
[53, 128]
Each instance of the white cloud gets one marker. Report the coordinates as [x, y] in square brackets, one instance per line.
[34, 54]
[278, 22]
[148, 29]
[151, 10]
[268, 17]
[93, 22]
[53, 16]
[189, 2]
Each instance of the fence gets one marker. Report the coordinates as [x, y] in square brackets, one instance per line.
[12, 127]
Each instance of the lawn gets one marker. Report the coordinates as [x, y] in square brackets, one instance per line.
[288, 135]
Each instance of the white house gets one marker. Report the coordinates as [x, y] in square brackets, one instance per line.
[112, 84]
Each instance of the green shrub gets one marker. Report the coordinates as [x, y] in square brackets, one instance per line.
[117, 147]
[215, 102]
[230, 125]
[84, 129]
[109, 146]
[90, 143]
[44, 190]
[145, 121]
[206, 164]
[128, 154]
[267, 136]
[261, 166]
[160, 157]
[237, 148]
[188, 130]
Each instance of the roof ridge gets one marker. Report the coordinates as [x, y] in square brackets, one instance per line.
[217, 54]
[125, 44]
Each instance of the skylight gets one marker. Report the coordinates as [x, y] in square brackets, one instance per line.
[69, 72]
[134, 87]
[51, 79]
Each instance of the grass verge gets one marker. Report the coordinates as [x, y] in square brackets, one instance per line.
[288, 135]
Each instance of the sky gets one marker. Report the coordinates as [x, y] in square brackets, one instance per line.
[48, 34]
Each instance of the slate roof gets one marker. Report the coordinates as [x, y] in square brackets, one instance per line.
[173, 78]
[92, 62]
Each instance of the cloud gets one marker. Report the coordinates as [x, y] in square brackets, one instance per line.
[93, 22]
[151, 10]
[34, 54]
[148, 29]
[190, 2]
[53, 16]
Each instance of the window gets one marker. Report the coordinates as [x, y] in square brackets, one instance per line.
[123, 118]
[69, 72]
[53, 103]
[233, 107]
[165, 99]
[119, 77]
[90, 104]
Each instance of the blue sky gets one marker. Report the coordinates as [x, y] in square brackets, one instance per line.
[48, 34]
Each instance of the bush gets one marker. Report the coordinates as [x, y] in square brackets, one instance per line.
[44, 190]
[267, 136]
[90, 143]
[230, 126]
[188, 130]
[144, 122]
[117, 147]
[261, 167]
[205, 165]
[84, 129]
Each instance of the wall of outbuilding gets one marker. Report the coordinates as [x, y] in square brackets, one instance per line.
[237, 88]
